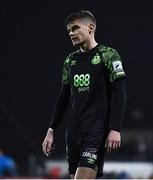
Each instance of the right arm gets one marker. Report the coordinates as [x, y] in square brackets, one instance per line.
[60, 107]
[59, 110]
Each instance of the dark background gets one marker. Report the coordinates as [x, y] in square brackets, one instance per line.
[33, 45]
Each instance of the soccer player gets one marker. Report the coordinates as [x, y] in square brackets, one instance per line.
[93, 94]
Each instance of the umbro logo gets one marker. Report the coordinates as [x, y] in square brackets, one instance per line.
[73, 62]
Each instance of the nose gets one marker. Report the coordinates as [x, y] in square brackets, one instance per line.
[71, 33]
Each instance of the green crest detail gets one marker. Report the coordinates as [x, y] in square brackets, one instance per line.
[96, 59]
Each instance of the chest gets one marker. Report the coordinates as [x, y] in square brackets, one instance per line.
[86, 66]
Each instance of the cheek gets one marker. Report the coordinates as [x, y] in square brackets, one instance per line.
[82, 35]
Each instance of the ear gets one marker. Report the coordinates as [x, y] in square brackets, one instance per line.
[91, 28]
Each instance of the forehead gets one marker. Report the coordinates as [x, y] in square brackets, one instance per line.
[77, 23]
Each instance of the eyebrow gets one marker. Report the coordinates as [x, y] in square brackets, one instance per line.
[73, 27]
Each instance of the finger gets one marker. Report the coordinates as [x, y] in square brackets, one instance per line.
[114, 145]
[119, 144]
[109, 149]
[49, 151]
[45, 153]
[109, 146]
[45, 149]
[48, 148]
[106, 143]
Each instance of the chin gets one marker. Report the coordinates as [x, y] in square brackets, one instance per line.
[76, 43]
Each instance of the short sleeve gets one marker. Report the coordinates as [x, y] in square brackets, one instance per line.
[113, 64]
[65, 74]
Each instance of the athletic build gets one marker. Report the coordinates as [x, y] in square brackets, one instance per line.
[93, 94]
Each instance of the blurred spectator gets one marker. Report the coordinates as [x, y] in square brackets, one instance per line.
[55, 172]
[116, 175]
[7, 165]
[124, 175]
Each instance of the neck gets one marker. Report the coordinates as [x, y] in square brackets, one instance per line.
[88, 45]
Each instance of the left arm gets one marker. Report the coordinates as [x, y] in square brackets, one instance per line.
[117, 108]
[116, 75]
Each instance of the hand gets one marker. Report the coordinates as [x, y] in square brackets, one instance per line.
[47, 143]
[113, 141]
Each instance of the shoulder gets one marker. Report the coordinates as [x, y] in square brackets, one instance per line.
[109, 52]
[73, 54]
[70, 57]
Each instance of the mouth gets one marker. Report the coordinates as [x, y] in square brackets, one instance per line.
[74, 39]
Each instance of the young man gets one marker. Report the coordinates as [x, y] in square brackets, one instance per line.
[93, 93]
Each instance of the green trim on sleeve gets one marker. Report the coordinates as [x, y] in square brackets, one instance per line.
[65, 76]
[112, 62]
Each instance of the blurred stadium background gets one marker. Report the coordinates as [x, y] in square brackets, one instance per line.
[34, 44]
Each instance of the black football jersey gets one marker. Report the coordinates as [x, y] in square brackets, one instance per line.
[89, 76]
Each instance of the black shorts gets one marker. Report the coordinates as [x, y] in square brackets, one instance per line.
[86, 149]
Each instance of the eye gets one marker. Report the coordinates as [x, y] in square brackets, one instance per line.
[68, 30]
[75, 27]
